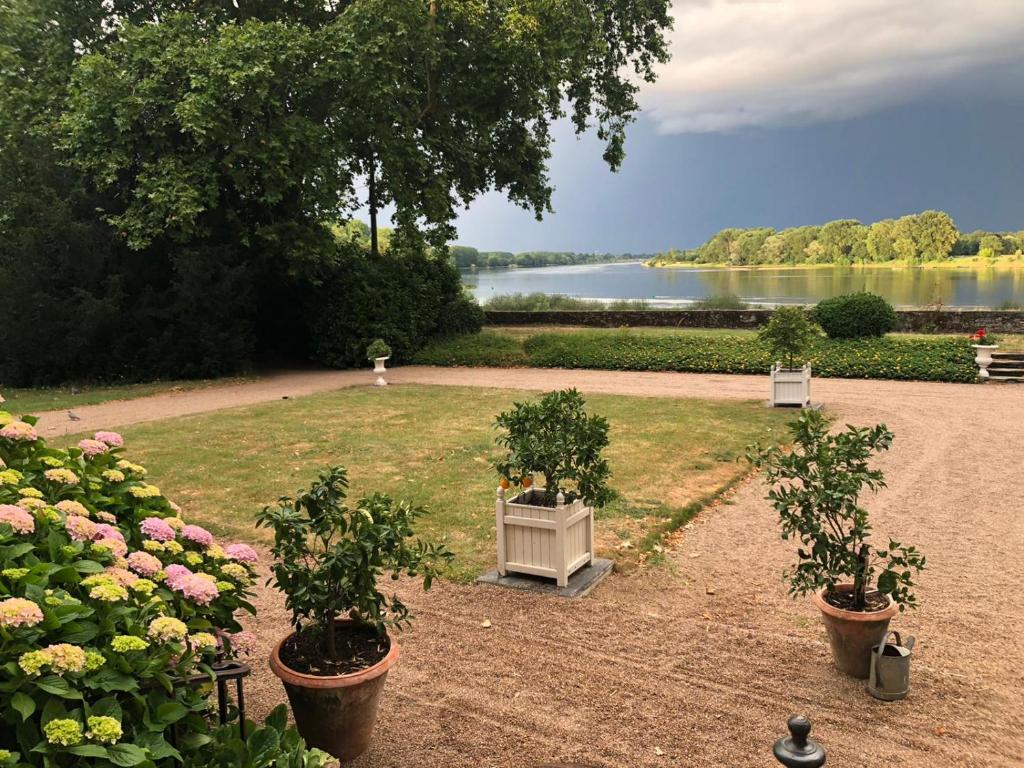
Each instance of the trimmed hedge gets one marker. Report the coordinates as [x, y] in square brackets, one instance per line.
[885, 358]
[406, 299]
[855, 316]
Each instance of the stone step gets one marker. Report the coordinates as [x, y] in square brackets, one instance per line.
[1007, 367]
[1008, 356]
[1007, 379]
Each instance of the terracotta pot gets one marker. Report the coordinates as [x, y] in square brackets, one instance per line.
[852, 634]
[336, 713]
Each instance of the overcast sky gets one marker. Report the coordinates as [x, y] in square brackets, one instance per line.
[786, 112]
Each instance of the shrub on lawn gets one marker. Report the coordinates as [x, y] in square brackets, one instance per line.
[407, 298]
[939, 359]
[108, 600]
[855, 316]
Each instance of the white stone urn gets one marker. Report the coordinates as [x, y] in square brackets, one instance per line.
[379, 369]
[790, 386]
[543, 541]
[983, 357]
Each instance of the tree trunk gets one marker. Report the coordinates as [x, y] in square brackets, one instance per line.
[860, 580]
[373, 207]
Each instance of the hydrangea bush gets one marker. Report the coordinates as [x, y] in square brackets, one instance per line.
[108, 601]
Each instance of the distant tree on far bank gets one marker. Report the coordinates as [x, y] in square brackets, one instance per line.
[922, 237]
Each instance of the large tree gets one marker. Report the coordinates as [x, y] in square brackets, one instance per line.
[168, 167]
[268, 119]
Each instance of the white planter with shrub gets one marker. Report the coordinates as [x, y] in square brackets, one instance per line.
[549, 531]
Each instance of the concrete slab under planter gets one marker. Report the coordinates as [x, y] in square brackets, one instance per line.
[580, 583]
[810, 406]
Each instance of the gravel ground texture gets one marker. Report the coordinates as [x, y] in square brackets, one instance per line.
[699, 662]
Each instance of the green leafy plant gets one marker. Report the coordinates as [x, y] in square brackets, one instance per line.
[556, 438]
[109, 604]
[788, 333]
[377, 348]
[329, 557]
[891, 357]
[855, 316]
[272, 745]
[815, 490]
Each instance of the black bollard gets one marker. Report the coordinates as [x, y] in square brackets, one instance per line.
[798, 750]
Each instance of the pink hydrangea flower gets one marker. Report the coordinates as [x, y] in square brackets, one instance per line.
[107, 531]
[113, 439]
[197, 535]
[16, 517]
[19, 430]
[106, 517]
[197, 588]
[175, 574]
[19, 612]
[144, 563]
[243, 553]
[92, 447]
[79, 528]
[157, 529]
[119, 548]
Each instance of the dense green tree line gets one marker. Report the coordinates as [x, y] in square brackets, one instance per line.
[922, 237]
[471, 258]
[169, 169]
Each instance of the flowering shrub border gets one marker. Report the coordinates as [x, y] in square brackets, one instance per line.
[108, 599]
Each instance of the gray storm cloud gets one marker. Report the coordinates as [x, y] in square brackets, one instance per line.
[747, 63]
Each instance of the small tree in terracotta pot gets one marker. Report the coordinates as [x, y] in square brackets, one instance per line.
[329, 558]
[815, 489]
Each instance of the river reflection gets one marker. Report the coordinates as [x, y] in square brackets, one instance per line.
[902, 287]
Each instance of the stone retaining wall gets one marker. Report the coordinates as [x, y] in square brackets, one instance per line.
[912, 320]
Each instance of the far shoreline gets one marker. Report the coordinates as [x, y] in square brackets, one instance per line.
[966, 264]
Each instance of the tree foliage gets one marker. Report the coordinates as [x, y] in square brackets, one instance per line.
[926, 236]
[179, 164]
[788, 333]
[556, 437]
[815, 488]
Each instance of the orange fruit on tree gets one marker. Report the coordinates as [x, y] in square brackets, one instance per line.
[504, 483]
[527, 481]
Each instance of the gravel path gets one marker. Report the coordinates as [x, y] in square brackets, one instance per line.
[699, 663]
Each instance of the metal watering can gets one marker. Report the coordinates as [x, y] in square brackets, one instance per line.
[889, 677]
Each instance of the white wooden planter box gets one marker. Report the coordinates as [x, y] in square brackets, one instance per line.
[543, 541]
[790, 386]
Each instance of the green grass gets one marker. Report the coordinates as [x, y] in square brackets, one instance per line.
[22, 401]
[434, 445]
[545, 302]
[893, 357]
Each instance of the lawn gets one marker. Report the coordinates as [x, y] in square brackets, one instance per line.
[21, 401]
[433, 445]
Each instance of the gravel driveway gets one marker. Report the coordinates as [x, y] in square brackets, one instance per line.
[699, 662]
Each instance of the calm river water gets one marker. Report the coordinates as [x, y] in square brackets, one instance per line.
[902, 287]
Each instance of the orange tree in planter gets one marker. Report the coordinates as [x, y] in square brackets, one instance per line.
[815, 488]
[329, 557]
[558, 439]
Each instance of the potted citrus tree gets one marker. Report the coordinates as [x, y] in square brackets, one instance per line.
[328, 560]
[788, 334]
[815, 488]
[549, 531]
[378, 352]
